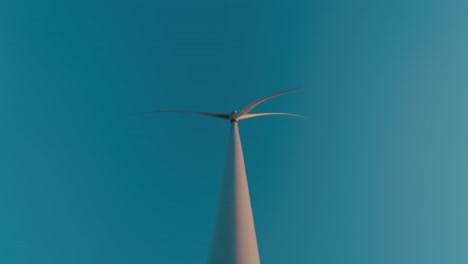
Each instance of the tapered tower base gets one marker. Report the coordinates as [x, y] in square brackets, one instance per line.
[234, 239]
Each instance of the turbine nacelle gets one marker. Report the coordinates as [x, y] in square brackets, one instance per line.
[232, 116]
[235, 116]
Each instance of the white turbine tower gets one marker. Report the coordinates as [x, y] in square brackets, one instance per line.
[234, 240]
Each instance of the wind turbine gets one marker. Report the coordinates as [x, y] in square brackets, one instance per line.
[234, 240]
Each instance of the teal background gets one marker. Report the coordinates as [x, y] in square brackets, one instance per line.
[376, 174]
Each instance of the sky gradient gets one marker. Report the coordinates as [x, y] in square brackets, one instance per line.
[376, 174]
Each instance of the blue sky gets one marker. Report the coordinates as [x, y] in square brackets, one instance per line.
[376, 174]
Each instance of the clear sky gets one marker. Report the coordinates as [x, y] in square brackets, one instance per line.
[377, 174]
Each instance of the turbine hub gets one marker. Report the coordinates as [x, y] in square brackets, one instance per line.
[232, 116]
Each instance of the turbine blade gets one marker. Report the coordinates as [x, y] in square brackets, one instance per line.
[251, 106]
[224, 116]
[246, 116]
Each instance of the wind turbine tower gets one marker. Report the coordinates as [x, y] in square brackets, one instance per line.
[234, 239]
